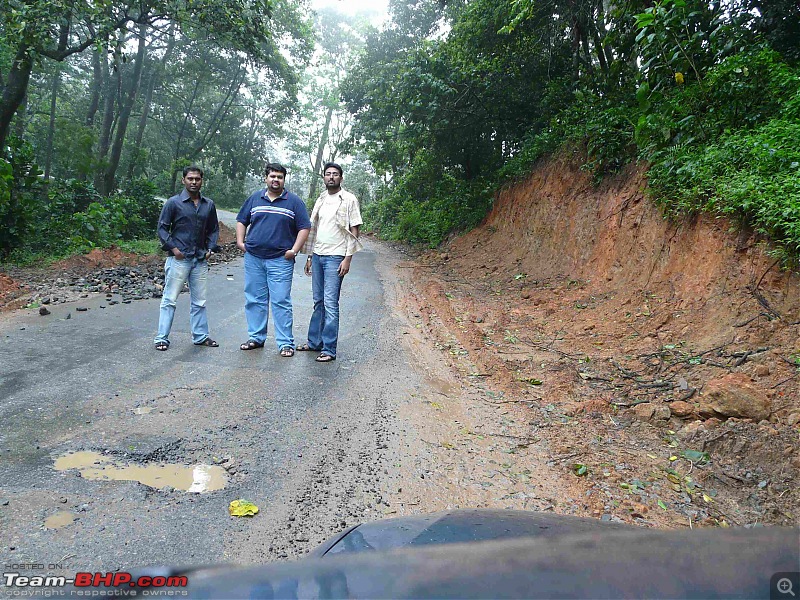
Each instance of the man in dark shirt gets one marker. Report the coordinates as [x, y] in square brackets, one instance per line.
[188, 229]
[278, 227]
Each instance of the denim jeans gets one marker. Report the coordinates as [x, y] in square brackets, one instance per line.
[176, 273]
[326, 284]
[268, 284]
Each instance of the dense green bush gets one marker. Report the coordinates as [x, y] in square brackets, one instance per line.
[20, 188]
[753, 175]
[141, 207]
[74, 218]
[426, 204]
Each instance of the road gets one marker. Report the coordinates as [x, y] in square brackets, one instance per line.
[314, 446]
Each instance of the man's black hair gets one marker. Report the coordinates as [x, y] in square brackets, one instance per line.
[336, 166]
[190, 168]
[276, 167]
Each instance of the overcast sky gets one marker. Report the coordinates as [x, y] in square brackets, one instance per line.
[351, 7]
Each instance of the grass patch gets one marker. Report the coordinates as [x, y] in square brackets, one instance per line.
[140, 246]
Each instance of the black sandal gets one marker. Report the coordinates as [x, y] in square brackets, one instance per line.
[208, 342]
[162, 346]
[287, 352]
[306, 348]
[251, 345]
[325, 358]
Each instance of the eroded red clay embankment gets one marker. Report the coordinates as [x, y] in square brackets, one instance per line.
[657, 354]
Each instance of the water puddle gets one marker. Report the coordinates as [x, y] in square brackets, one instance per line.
[59, 520]
[143, 410]
[194, 479]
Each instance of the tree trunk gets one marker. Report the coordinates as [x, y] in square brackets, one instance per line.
[213, 125]
[110, 95]
[19, 118]
[109, 177]
[48, 162]
[323, 141]
[155, 79]
[97, 84]
[177, 155]
[14, 90]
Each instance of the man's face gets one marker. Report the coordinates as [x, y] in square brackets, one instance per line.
[193, 181]
[333, 179]
[275, 181]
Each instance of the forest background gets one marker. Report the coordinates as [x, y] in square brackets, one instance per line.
[431, 110]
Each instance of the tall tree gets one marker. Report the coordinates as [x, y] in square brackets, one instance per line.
[126, 106]
[56, 29]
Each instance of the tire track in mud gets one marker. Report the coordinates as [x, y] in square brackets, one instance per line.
[339, 486]
[343, 470]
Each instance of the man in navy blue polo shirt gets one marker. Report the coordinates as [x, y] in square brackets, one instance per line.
[271, 228]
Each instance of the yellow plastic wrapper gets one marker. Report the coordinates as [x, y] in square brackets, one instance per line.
[242, 508]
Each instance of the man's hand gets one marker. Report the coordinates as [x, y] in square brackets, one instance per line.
[307, 268]
[344, 266]
[178, 254]
[241, 229]
[290, 254]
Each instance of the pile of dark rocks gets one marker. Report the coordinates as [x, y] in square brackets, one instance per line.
[120, 284]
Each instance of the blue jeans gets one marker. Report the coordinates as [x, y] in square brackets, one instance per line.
[176, 273]
[268, 280]
[326, 284]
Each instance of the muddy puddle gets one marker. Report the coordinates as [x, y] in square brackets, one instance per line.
[188, 478]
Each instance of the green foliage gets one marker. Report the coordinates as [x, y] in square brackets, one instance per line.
[741, 91]
[138, 202]
[426, 205]
[680, 39]
[753, 175]
[74, 218]
[603, 127]
[151, 246]
[226, 193]
[20, 186]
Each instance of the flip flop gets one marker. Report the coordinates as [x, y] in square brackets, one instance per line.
[306, 348]
[325, 358]
[208, 342]
[287, 352]
[162, 346]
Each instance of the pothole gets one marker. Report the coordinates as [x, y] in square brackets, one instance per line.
[188, 478]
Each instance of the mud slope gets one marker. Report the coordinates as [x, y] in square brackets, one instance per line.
[654, 362]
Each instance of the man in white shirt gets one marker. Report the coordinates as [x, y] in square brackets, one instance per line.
[335, 222]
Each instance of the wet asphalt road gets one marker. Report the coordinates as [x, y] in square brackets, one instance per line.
[311, 444]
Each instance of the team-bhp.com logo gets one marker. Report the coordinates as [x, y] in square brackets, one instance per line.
[120, 579]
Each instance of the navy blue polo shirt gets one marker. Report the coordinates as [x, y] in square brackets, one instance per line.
[274, 224]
